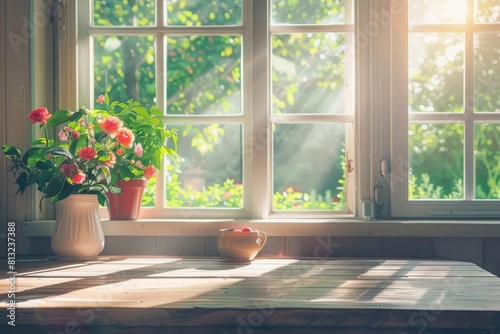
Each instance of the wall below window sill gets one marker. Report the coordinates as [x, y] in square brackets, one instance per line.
[287, 227]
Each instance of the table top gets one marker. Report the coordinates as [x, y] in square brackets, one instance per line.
[213, 291]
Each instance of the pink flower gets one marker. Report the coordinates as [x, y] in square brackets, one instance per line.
[63, 136]
[138, 150]
[149, 172]
[87, 153]
[68, 170]
[111, 125]
[75, 134]
[125, 137]
[39, 115]
[78, 178]
[100, 99]
[120, 152]
[112, 160]
[139, 164]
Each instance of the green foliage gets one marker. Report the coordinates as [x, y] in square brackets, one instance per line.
[149, 143]
[225, 195]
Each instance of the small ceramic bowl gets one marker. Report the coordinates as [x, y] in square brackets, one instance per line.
[240, 246]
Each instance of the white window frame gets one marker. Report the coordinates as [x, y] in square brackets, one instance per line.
[256, 122]
[402, 207]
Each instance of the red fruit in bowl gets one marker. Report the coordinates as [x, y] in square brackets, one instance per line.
[246, 229]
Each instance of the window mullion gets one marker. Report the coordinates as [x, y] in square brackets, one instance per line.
[469, 184]
[261, 133]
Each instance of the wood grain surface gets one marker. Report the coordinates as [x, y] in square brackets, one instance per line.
[212, 295]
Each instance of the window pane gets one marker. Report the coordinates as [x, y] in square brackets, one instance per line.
[203, 12]
[487, 11]
[126, 65]
[204, 75]
[487, 157]
[436, 154]
[435, 72]
[436, 12]
[137, 13]
[308, 166]
[149, 195]
[211, 169]
[487, 72]
[308, 73]
[311, 12]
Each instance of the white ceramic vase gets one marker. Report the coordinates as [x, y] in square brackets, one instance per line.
[77, 233]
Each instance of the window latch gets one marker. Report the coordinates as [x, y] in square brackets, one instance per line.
[385, 168]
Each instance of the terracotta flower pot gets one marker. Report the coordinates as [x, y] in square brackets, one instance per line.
[127, 204]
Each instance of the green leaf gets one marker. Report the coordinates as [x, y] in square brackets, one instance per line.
[126, 173]
[141, 111]
[81, 142]
[55, 150]
[22, 182]
[32, 155]
[11, 151]
[59, 117]
[77, 115]
[40, 142]
[54, 186]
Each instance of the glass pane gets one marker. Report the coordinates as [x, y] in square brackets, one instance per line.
[309, 166]
[487, 157]
[204, 75]
[211, 173]
[436, 154]
[126, 66]
[487, 72]
[136, 13]
[311, 12]
[436, 72]
[487, 11]
[203, 12]
[436, 12]
[308, 73]
[149, 195]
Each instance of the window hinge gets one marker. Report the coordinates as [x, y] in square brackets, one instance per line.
[385, 167]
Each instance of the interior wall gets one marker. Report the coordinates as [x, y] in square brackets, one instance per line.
[15, 43]
[485, 252]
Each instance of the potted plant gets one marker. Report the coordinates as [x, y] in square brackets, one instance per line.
[73, 173]
[93, 151]
[133, 164]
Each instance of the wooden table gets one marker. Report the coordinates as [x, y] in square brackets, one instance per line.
[212, 295]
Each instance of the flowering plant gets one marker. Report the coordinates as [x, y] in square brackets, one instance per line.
[95, 149]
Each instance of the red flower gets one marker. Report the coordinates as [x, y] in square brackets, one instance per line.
[68, 170]
[78, 178]
[111, 125]
[120, 152]
[100, 99]
[149, 171]
[75, 134]
[87, 153]
[125, 137]
[39, 115]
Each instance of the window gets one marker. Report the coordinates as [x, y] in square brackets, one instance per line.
[304, 109]
[450, 66]
[261, 92]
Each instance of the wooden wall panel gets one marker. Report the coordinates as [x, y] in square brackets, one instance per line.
[463, 249]
[491, 259]
[17, 32]
[3, 176]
